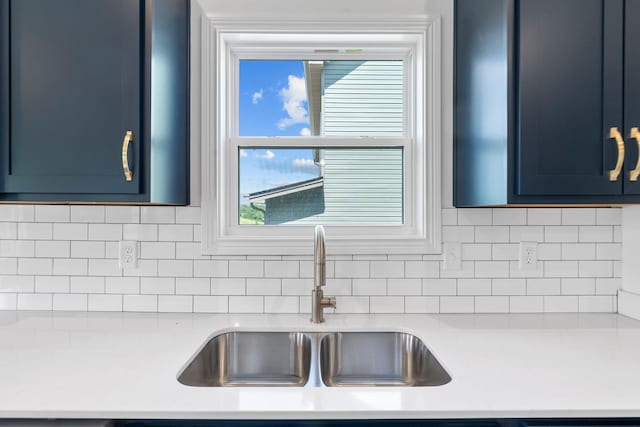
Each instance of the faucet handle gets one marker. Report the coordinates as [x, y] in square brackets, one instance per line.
[329, 302]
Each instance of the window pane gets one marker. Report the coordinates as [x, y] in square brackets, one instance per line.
[321, 186]
[321, 98]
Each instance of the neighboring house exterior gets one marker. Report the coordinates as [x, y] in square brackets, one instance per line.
[348, 98]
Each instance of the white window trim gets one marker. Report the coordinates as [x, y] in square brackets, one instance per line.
[421, 233]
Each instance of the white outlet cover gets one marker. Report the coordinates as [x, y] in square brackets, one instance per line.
[453, 256]
[128, 254]
[528, 256]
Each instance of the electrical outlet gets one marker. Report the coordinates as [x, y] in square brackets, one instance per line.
[528, 256]
[128, 250]
[453, 256]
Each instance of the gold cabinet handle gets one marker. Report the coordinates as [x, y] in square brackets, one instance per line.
[128, 137]
[634, 174]
[614, 133]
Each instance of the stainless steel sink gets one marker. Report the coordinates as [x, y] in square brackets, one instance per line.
[314, 359]
[378, 359]
[251, 359]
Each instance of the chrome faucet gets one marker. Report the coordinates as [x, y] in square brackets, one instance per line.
[318, 301]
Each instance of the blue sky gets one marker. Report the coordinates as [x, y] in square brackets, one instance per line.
[273, 103]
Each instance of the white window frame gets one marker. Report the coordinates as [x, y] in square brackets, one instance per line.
[226, 41]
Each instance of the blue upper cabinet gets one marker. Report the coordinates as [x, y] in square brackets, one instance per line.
[94, 97]
[542, 114]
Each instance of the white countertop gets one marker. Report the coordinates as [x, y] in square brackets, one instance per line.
[96, 365]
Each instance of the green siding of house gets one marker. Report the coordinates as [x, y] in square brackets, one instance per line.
[361, 186]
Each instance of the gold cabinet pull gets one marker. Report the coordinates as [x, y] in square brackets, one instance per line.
[128, 137]
[614, 133]
[634, 174]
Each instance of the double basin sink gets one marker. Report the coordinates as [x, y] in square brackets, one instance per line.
[310, 359]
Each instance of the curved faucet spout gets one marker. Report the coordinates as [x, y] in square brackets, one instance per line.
[318, 301]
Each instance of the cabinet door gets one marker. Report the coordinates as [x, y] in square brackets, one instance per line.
[72, 70]
[569, 91]
[632, 95]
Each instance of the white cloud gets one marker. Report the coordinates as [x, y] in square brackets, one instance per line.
[257, 96]
[268, 155]
[293, 98]
[305, 166]
[305, 132]
[243, 153]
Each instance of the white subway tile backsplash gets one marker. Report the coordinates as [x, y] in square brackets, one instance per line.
[302, 287]
[17, 284]
[609, 216]
[491, 304]
[158, 214]
[70, 267]
[439, 287]
[105, 232]
[477, 252]
[246, 268]
[64, 231]
[264, 286]
[210, 304]
[122, 214]
[104, 267]
[544, 216]
[596, 304]
[457, 304]
[422, 269]
[70, 302]
[572, 286]
[52, 213]
[9, 230]
[386, 304]
[422, 305]
[27, 231]
[544, 286]
[246, 304]
[352, 269]
[122, 285]
[193, 286]
[561, 234]
[474, 287]
[474, 216]
[579, 216]
[88, 214]
[157, 285]
[35, 302]
[175, 303]
[369, 286]
[228, 286]
[87, 285]
[175, 233]
[528, 304]
[281, 269]
[15, 213]
[492, 234]
[17, 248]
[595, 268]
[88, 249]
[560, 304]
[52, 284]
[404, 287]
[387, 269]
[52, 249]
[508, 287]
[41, 266]
[596, 233]
[509, 216]
[142, 303]
[68, 260]
[281, 304]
